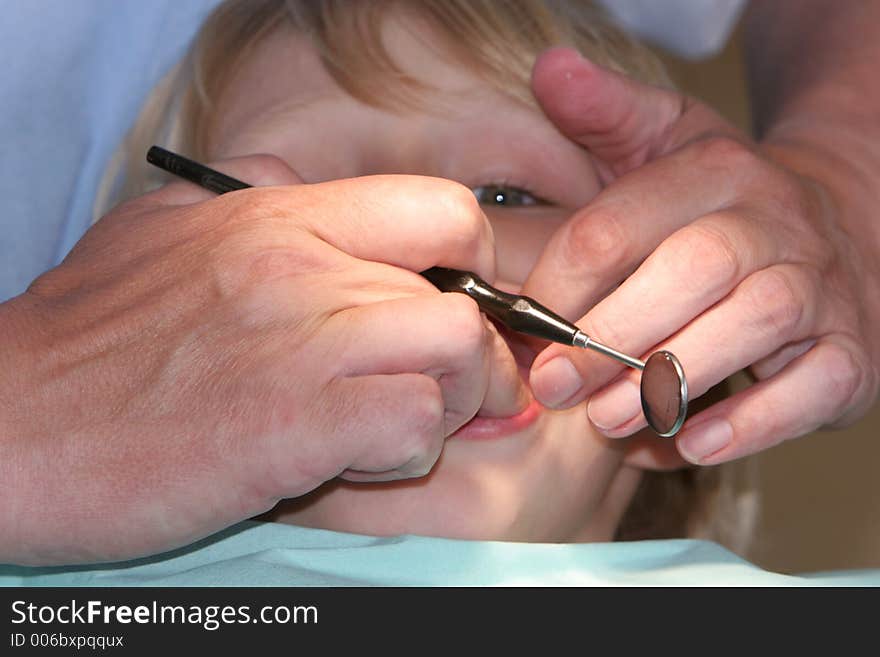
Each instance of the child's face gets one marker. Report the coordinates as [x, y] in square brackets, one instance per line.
[555, 479]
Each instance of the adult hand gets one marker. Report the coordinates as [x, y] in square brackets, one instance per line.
[727, 253]
[196, 359]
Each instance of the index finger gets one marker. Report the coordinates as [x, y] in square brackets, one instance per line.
[379, 218]
[606, 241]
[413, 222]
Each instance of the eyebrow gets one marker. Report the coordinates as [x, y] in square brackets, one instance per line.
[528, 153]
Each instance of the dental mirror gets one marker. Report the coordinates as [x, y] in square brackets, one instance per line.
[663, 387]
[664, 393]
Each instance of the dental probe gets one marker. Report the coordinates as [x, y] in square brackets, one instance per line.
[663, 386]
[520, 313]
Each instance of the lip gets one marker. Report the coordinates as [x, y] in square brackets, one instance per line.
[490, 428]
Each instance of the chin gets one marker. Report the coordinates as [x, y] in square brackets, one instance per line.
[385, 511]
[547, 484]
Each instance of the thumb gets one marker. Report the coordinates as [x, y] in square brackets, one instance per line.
[624, 123]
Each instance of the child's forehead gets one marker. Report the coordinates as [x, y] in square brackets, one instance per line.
[411, 48]
[287, 70]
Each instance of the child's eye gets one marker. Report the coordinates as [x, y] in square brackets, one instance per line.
[505, 196]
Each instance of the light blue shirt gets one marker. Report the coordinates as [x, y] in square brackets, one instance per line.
[272, 554]
[689, 28]
[73, 79]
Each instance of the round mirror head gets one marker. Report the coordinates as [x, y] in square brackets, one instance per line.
[664, 393]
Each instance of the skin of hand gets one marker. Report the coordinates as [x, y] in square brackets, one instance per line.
[729, 253]
[211, 356]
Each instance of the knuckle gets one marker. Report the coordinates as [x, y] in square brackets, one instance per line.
[791, 196]
[598, 240]
[846, 375]
[273, 263]
[249, 256]
[701, 254]
[464, 321]
[423, 456]
[831, 252]
[240, 216]
[777, 301]
[257, 205]
[426, 416]
[726, 152]
[796, 204]
[606, 331]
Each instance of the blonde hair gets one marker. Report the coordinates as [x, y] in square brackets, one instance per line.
[497, 40]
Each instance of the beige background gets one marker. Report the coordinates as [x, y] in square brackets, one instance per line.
[820, 497]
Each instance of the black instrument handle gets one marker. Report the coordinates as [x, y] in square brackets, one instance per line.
[520, 313]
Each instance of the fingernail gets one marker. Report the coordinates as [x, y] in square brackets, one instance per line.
[554, 382]
[615, 405]
[705, 439]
